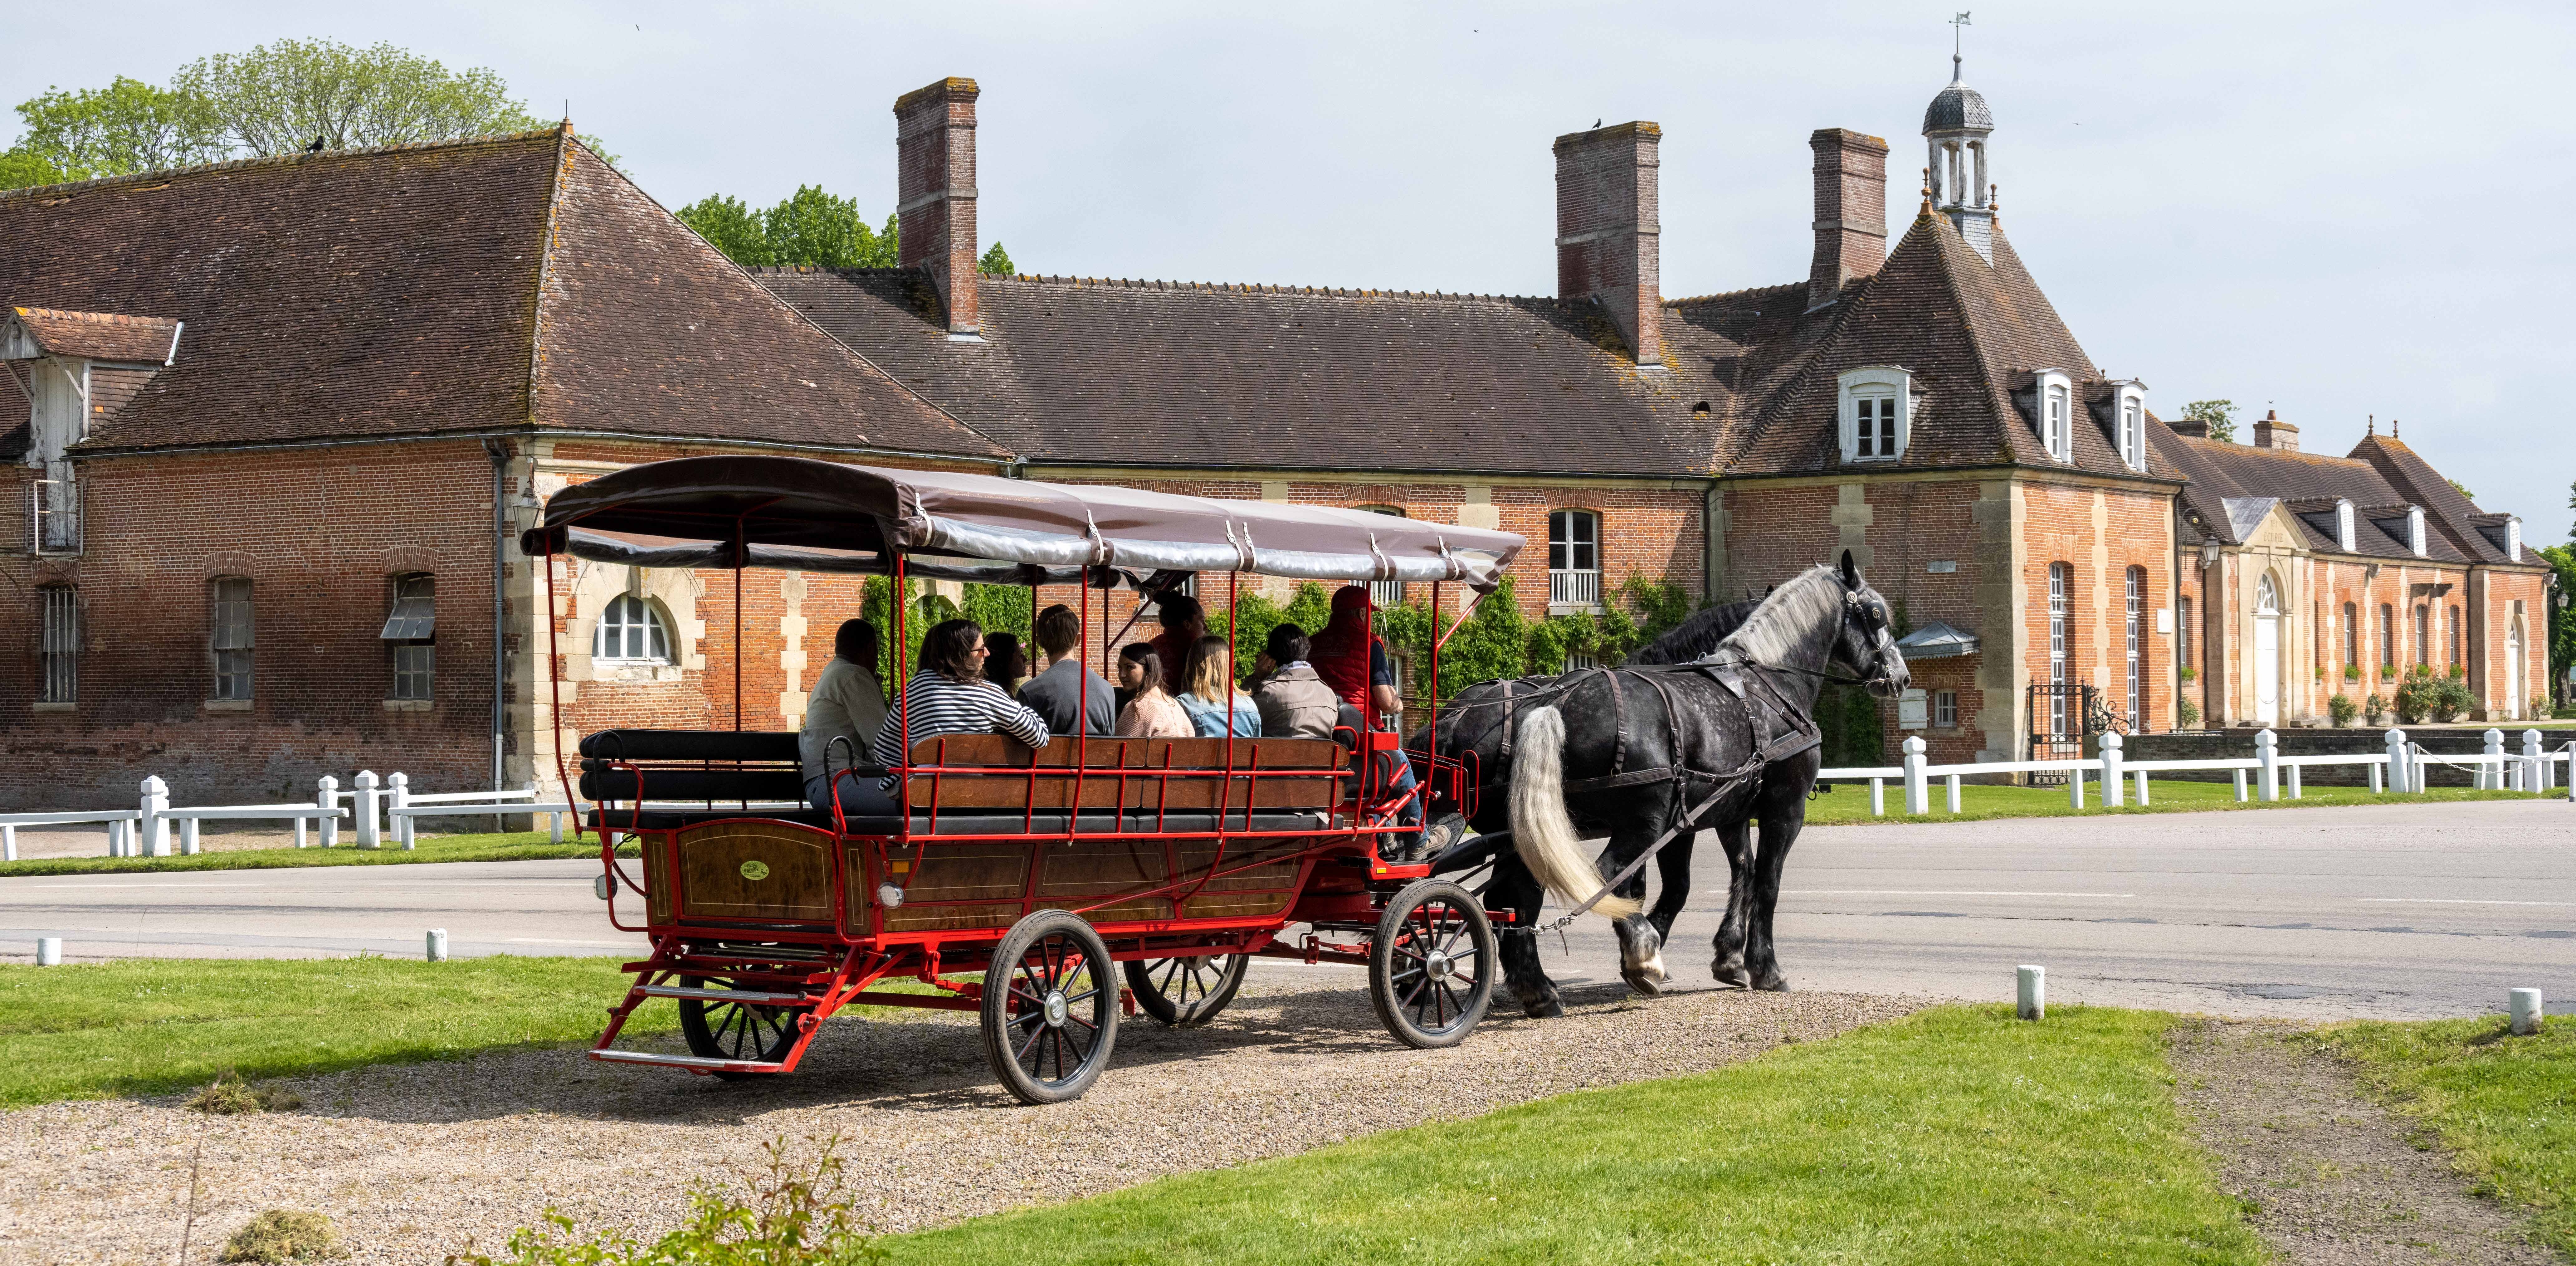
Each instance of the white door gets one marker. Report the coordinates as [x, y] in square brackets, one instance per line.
[2513, 691]
[2267, 651]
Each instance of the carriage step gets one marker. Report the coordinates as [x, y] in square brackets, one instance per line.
[759, 953]
[688, 1061]
[726, 995]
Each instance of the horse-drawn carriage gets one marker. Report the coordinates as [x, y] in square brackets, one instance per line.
[1009, 878]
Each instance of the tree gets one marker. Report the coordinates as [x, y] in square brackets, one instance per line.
[730, 227]
[996, 263]
[2219, 414]
[816, 230]
[277, 98]
[128, 126]
[2463, 490]
[22, 167]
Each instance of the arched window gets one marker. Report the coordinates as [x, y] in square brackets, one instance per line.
[2453, 624]
[2182, 635]
[2423, 634]
[2267, 596]
[2059, 575]
[631, 631]
[1384, 593]
[2387, 637]
[1574, 558]
[2351, 635]
[2137, 595]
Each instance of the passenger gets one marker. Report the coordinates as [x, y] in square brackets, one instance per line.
[1213, 695]
[1067, 696]
[1151, 711]
[1005, 664]
[848, 703]
[1351, 660]
[1294, 701]
[950, 695]
[1183, 625]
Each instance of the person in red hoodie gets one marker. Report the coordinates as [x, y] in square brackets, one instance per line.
[1351, 659]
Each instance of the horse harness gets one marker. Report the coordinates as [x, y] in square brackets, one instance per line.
[1779, 728]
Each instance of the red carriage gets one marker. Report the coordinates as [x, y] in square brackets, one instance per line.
[1010, 878]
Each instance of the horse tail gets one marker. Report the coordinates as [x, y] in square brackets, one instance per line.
[1542, 831]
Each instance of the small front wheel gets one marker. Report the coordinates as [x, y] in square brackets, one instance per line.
[1187, 992]
[719, 1029]
[1432, 965]
[1050, 1010]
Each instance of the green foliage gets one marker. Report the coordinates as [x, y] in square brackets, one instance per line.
[2374, 708]
[1309, 607]
[517, 846]
[2352, 672]
[2416, 695]
[816, 230]
[278, 97]
[2186, 714]
[2219, 414]
[22, 167]
[2342, 708]
[1851, 727]
[998, 608]
[126, 127]
[996, 262]
[2463, 490]
[1957, 1134]
[2562, 619]
[2500, 1103]
[730, 227]
[284, 1235]
[791, 1215]
[229, 1095]
[2188, 674]
[1500, 642]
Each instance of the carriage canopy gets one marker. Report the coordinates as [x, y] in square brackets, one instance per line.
[808, 515]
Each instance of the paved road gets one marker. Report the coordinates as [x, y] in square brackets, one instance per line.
[2400, 911]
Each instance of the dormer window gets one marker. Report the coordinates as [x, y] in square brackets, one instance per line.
[2056, 413]
[2129, 423]
[2513, 540]
[2343, 528]
[1877, 413]
[2415, 530]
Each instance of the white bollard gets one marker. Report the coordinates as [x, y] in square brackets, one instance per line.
[1953, 780]
[2114, 787]
[326, 795]
[2396, 761]
[2241, 797]
[300, 840]
[2491, 762]
[152, 830]
[1878, 797]
[2418, 779]
[2030, 994]
[363, 808]
[8, 843]
[2297, 792]
[2142, 789]
[2535, 769]
[2075, 786]
[2526, 1011]
[554, 828]
[2267, 761]
[438, 945]
[2377, 772]
[117, 835]
[1918, 786]
[49, 951]
[187, 837]
[398, 796]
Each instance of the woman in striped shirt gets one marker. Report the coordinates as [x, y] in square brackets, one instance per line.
[949, 695]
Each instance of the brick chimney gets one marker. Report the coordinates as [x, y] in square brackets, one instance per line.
[2272, 432]
[1851, 211]
[1608, 238]
[934, 145]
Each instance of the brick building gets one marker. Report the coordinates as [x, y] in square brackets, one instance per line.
[279, 410]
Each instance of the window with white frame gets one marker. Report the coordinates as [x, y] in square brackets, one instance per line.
[2054, 413]
[2132, 413]
[411, 635]
[2058, 580]
[229, 639]
[60, 644]
[1875, 413]
[1574, 558]
[631, 631]
[2343, 526]
[2351, 636]
[1945, 709]
[2415, 530]
[2137, 661]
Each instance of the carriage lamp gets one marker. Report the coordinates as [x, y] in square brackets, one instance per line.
[889, 896]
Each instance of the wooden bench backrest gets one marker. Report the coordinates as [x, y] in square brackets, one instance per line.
[1010, 776]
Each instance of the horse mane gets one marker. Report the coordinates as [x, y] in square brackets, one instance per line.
[1696, 636]
[1774, 629]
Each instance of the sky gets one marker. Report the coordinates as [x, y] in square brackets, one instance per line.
[2335, 211]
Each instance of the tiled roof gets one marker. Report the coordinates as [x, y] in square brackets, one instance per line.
[99, 335]
[396, 291]
[2449, 513]
[2224, 476]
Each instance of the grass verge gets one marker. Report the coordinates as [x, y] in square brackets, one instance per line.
[1955, 1135]
[2504, 1106]
[520, 846]
[1848, 804]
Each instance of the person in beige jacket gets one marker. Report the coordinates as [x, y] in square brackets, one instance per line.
[847, 703]
[1294, 701]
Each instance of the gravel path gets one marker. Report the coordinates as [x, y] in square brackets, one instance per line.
[412, 1160]
[2328, 1178]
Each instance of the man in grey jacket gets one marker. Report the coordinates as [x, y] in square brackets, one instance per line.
[1294, 702]
[1059, 694]
[847, 703]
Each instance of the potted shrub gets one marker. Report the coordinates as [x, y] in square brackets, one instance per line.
[2188, 674]
[2451, 697]
[2186, 713]
[2388, 672]
[2342, 708]
[2352, 672]
[2375, 709]
[2417, 696]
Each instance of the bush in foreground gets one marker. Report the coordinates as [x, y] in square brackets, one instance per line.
[792, 1215]
[284, 1235]
[228, 1095]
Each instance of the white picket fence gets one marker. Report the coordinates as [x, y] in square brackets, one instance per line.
[2398, 767]
[381, 813]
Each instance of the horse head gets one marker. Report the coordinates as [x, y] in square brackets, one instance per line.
[1866, 645]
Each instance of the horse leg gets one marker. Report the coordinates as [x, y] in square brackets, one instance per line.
[1641, 943]
[1518, 891]
[1779, 832]
[1735, 836]
[1672, 866]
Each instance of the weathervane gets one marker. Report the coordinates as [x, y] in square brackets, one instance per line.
[1957, 72]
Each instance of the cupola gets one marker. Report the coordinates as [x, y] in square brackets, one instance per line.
[1956, 126]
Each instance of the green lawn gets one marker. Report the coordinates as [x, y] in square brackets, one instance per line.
[1956, 1135]
[2504, 1106]
[518, 846]
[1849, 802]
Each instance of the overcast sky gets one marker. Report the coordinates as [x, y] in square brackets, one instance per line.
[2334, 210]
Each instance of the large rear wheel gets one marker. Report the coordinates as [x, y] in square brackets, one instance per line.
[718, 1029]
[1050, 1010]
[1187, 992]
[1432, 965]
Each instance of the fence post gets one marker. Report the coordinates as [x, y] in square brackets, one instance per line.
[2396, 761]
[1878, 797]
[326, 795]
[188, 837]
[152, 829]
[2535, 771]
[8, 843]
[1953, 780]
[554, 821]
[2571, 773]
[2491, 762]
[398, 796]
[2297, 791]
[1918, 784]
[2241, 796]
[2267, 763]
[2075, 785]
[363, 807]
[2418, 781]
[2114, 786]
[2142, 789]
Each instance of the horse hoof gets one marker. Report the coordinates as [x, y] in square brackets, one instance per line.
[1544, 1009]
[1773, 983]
[1649, 984]
[1731, 974]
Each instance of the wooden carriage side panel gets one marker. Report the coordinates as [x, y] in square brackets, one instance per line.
[1262, 887]
[1089, 866]
[756, 870]
[657, 877]
[985, 878]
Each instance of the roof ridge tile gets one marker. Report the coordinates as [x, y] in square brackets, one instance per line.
[96, 183]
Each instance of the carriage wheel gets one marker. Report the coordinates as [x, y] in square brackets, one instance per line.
[736, 1030]
[1187, 992]
[1050, 1011]
[1432, 966]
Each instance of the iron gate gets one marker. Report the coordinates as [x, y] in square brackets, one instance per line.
[2062, 714]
